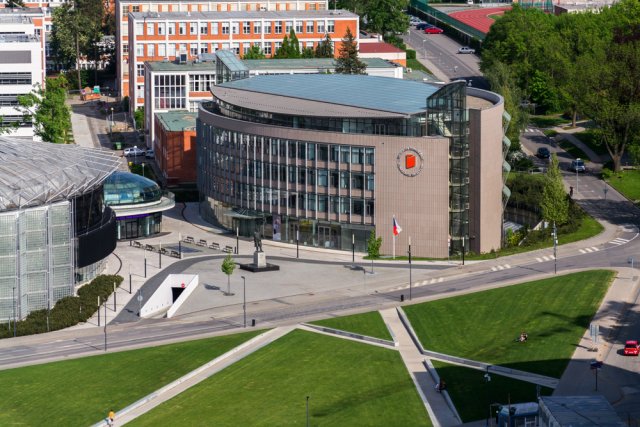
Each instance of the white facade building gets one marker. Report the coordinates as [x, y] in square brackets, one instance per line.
[21, 70]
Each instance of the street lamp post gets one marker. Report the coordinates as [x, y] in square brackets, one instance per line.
[605, 189]
[105, 327]
[410, 270]
[307, 411]
[577, 179]
[487, 380]
[15, 320]
[297, 242]
[99, 310]
[143, 169]
[114, 297]
[244, 300]
[424, 49]
[462, 250]
[111, 124]
[353, 248]
[237, 240]
[555, 248]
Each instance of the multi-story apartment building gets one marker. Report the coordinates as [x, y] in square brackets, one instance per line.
[21, 70]
[123, 7]
[185, 35]
[32, 21]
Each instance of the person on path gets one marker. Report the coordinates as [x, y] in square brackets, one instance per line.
[111, 418]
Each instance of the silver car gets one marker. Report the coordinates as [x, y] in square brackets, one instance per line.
[466, 49]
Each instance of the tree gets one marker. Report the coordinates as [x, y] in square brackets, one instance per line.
[348, 61]
[138, 116]
[324, 49]
[254, 53]
[554, 203]
[373, 245]
[386, 17]
[228, 265]
[290, 47]
[307, 52]
[48, 111]
[283, 50]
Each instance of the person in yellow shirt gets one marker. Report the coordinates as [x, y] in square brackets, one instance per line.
[111, 417]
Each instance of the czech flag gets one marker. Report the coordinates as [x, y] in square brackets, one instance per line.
[396, 227]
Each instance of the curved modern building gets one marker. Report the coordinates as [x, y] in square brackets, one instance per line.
[55, 229]
[138, 204]
[329, 158]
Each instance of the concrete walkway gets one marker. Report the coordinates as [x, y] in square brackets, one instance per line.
[439, 411]
[196, 376]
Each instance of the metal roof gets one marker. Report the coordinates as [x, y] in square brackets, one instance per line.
[360, 91]
[177, 121]
[243, 15]
[231, 61]
[37, 173]
[578, 411]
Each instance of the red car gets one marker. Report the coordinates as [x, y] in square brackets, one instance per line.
[631, 348]
[433, 30]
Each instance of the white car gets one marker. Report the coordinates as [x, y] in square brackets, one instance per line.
[466, 49]
[150, 154]
[133, 152]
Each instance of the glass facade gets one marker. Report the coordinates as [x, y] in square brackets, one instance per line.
[324, 191]
[412, 126]
[447, 115]
[135, 226]
[125, 188]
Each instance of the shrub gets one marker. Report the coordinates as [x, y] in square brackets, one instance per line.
[606, 173]
[68, 311]
[411, 54]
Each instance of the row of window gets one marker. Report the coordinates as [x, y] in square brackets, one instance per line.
[295, 149]
[248, 27]
[9, 99]
[170, 50]
[304, 201]
[220, 7]
[15, 79]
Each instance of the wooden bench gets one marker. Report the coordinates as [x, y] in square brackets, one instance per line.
[163, 251]
[137, 244]
[215, 246]
[189, 239]
[150, 248]
[202, 242]
[228, 249]
[175, 254]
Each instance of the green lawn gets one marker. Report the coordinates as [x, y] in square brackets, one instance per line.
[628, 183]
[414, 64]
[370, 324]
[573, 150]
[349, 384]
[589, 138]
[81, 392]
[471, 394]
[548, 121]
[483, 326]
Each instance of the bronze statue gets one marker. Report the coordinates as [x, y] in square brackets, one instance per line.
[257, 241]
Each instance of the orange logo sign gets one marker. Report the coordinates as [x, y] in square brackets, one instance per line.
[409, 161]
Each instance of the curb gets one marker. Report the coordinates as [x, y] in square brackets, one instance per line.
[360, 337]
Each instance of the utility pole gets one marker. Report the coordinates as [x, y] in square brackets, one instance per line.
[555, 248]
[410, 278]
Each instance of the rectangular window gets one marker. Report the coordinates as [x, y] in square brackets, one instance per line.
[257, 28]
[369, 205]
[357, 155]
[344, 205]
[302, 175]
[204, 28]
[135, 8]
[370, 182]
[193, 49]
[299, 27]
[322, 203]
[320, 27]
[369, 154]
[335, 153]
[334, 179]
[139, 28]
[182, 28]
[162, 50]
[235, 28]
[161, 28]
[331, 26]
[125, 49]
[345, 153]
[225, 28]
[292, 174]
[267, 27]
[214, 28]
[267, 49]
[149, 28]
[171, 51]
[357, 181]
[140, 70]
[323, 177]
[278, 29]
[358, 206]
[310, 27]
[311, 205]
[344, 179]
[139, 50]
[288, 27]
[311, 176]
[201, 82]
[246, 28]
[323, 152]
[151, 50]
[193, 28]
[311, 151]
[172, 28]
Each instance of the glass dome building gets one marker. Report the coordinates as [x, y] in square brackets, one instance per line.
[138, 203]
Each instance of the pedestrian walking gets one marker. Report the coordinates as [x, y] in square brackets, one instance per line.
[571, 191]
[111, 418]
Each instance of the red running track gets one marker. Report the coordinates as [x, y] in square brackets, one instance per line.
[479, 18]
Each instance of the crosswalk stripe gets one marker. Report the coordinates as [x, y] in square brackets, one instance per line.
[507, 266]
[494, 269]
[539, 259]
[433, 281]
[545, 258]
[618, 241]
[440, 280]
[552, 257]
[594, 249]
[582, 251]
[588, 250]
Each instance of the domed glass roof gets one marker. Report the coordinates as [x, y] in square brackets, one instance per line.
[125, 188]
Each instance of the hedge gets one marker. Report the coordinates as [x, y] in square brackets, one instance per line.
[68, 311]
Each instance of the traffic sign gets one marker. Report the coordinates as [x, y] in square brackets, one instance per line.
[140, 298]
[596, 364]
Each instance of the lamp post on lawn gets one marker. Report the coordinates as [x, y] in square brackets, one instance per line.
[111, 124]
[424, 49]
[487, 380]
[410, 278]
[244, 300]
[143, 169]
[14, 312]
[555, 248]
[297, 242]
[353, 248]
[307, 411]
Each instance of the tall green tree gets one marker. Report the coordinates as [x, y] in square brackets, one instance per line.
[77, 28]
[283, 51]
[348, 61]
[254, 53]
[324, 49]
[386, 17]
[47, 110]
[554, 202]
[227, 267]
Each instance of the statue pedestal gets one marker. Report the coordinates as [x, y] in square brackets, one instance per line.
[259, 264]
[259, 259]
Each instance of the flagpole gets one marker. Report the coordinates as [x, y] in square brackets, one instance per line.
[394, 246]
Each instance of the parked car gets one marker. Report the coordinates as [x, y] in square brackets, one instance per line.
[466, 49]
[422, 26]
[150, 154]
[577, 165]
[543, 153]
[631, 348]
[433, 30]
[133, 152]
